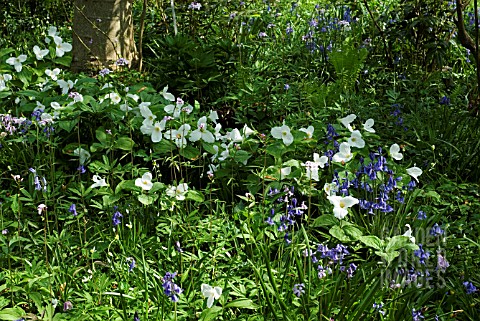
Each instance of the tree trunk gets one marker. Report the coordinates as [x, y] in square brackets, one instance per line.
[102, 34]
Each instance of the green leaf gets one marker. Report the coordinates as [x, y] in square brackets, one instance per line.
[64, 61]
[352, 231]
[68, 125]
[4, 94]
[101, 135]
[124, 143]
[241, 156]
[195, 196]
[30, 93]
[242, 303]
[389, 257]
[6, 51]
[325, 220]
[128, 185]
[110, 199]
[371, 241]
[277, 149]
[147, 199]
[339, 234]
[190, 152]
[12, 314]
[209, 148]
[210, 314]
[398, 242]
[25, 76]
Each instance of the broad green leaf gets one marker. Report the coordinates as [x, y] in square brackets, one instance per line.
[4, 94]
[389, 257]
[64, 61]
[6, 51]
[210, 314]
[325, 220]
[276, 150]
[398, 242]
[190, 152]
[147, 199]
[124, 143]
[11, 314]
[128, 185]
[241, 156]
[195, 196]
[110, 199]
[101, 135]
[339, 234]
[68, 125]
[371, 241]
[25, 76]
[242, 303]
[352, 231]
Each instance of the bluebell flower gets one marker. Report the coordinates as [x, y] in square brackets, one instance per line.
[445, 100]
[421, 215]
[417, 315]
[73, 209]
[131, 264]
[351, 269]
[286, 87]
[171, 289]
[81, 169]
[469, 287]
[421, 254]
[299, 289]
[436, 230]
[442, 263]
[116, 219]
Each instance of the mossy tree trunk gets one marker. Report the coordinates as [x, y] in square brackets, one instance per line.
[102, 34]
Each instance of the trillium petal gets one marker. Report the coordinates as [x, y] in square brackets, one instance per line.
[368, 125]
[414, 172]
[340, 213]
[395, 152]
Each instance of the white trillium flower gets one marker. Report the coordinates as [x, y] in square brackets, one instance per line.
[330, 189]
[157, 129]
[99, 182]
[312, 167]
[341, 205]
[211, 293]
[414, 172]
[16, 62]
[61, 47]
[174, 109]
[234, 135]
[217, 134]
[134, 97]
[409, 233]
[66, 85]
[395, 152]
[283, 133]
[40, 53]
[167, 95]
[3, 79]
[247, 131]
[114, 97]
[178, 136]
[309, 131]
[145, 182]
[178, 192]
[344, 155]
[52, 73]
[347, 120]
[368, 125]
[52, 31]
[201, 132]
[356, 139]
[213, 116]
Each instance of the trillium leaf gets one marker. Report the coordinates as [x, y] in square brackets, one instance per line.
[371, 241]
[242, 303]
[124, 143]
[389, 257]
[241, 156]
[210, 314]
[398, 242]
[352, 231]
[325, 220]
[339, 234]
[147, 199]
[11, 314]
[195, 196]
[190, 152]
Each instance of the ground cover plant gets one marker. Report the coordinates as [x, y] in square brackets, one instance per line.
[274, 160]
